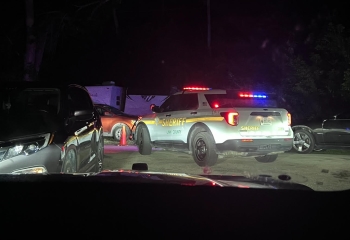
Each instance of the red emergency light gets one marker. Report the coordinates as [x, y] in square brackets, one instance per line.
[196, 88]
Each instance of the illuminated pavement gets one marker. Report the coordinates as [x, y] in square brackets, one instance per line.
[129, 148]
[319, 171]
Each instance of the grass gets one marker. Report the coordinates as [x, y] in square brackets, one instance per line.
[334, 152]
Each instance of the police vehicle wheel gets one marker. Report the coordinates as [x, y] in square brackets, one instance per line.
[303, 141]
[144, 141]
[267, 158]
[203, 149]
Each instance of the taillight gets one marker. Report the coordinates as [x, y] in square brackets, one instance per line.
[230, 117]
[289, 119]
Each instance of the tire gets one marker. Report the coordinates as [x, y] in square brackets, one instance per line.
[70, 162]
[144, 141]
[117, 133]
[99, 155]
[303, 142]
[267, 158]
[203, 149]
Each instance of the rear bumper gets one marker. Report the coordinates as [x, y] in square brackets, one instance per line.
[258, 146]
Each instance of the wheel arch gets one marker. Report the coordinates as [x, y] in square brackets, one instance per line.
[196, 128]
[119, 124]
[306, 128]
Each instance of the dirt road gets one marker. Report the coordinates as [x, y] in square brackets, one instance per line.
[321, 172]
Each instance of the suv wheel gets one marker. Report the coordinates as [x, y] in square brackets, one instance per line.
[144, 141]
[303, 141]
[70, 162]
[117, 134]
[203, 149]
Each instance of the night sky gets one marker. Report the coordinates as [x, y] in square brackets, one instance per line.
[162, 43]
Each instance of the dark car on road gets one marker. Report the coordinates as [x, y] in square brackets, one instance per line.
[331, 133]
[49, 128]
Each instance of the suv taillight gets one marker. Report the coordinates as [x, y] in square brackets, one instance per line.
[289, 119]
[231, 117]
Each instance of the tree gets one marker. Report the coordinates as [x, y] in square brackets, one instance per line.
[54, 25]
[317, 80]
[29, 59]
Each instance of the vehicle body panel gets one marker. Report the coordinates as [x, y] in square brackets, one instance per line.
[69, 125]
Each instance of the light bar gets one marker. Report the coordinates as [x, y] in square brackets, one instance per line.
[196, 88]
[252, 95]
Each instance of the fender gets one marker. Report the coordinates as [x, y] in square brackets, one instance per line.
[310, 130]
[303, 127]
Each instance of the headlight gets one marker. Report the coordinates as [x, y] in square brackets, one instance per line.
[32, 170]
[24, 146]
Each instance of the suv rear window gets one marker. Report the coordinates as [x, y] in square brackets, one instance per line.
[232, 99]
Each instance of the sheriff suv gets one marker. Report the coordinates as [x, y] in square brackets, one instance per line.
[209, 123]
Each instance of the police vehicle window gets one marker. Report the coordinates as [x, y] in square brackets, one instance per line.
[79, 99]
[169, 104]
[232, 99]
[100, 111]
[187, 102]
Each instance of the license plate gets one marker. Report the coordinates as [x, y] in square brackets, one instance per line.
[265, 121]
[268, 146]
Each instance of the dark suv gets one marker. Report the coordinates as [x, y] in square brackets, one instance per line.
[49, 128]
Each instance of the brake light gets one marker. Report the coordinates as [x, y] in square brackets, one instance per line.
[252, 95]
[196, 88]
[216, 105]
[289, 119]
[231, 117]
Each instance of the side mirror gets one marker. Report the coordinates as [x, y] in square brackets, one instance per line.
[83, 115]
[155, 109]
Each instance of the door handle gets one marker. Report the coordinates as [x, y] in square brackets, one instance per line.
[193, 112]
[168, 115]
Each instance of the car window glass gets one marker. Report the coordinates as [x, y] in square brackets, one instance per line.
[345, 115]
[79, 99]
[169, 105]
[187, 102]
[100, 111]
[115, 111]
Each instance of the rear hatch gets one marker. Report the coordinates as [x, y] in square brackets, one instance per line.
[263, 122]
[258, 113]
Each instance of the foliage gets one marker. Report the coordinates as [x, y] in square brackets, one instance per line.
[317, 79]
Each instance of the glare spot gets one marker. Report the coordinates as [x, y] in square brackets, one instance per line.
[263, 45]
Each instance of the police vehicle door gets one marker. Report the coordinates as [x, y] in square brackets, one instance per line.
[185, 106]
[163, 120]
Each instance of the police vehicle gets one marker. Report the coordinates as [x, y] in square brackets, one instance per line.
[212, 122]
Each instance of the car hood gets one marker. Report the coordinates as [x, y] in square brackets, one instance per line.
[147, 177]
[260, 181]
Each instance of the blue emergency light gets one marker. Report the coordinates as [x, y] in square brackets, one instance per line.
[252, 95]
